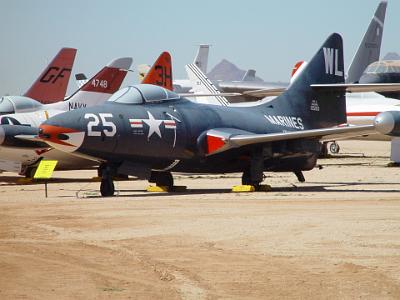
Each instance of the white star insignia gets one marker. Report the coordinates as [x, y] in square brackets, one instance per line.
[154, 125]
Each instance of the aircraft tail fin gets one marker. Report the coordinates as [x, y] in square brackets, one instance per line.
[161, 72]
[104, 83]
[51, 86]
[301, 106]
[201, 59]
[110, 78]
[202, 85]
[249, 76]
[370, 47]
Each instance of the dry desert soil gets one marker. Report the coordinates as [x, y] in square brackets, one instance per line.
[337, 236]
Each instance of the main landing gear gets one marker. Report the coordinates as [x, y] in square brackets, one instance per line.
[30, 172]
[254, 174]
[163, 180]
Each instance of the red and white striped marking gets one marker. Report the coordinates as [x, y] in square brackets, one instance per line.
[136, 123]
[169, 124]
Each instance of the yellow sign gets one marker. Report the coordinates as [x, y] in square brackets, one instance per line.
[45, 169]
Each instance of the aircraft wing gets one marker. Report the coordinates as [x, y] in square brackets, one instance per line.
[348, 88]
[358, 88]
[220, 140]
[264, 92]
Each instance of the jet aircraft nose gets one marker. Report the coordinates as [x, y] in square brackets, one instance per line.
[62, 138]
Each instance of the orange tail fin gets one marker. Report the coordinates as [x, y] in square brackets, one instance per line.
[51, 86]
[161, 72]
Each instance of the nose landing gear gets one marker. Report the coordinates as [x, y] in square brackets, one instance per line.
[107, 188]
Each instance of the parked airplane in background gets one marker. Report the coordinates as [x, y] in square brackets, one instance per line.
[370, 46]
[383, 71]
[22, 156]
[49, 87]
[201, 60]
[245, 87]
[149, 132]
[250, 90]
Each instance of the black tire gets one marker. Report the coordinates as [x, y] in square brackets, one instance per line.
[107, 188]
[30, 172]
[162, 179]
[334, 148]
[246, 179]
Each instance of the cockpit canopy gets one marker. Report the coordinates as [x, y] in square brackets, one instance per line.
[143, 93]
[383, 66]
[17, 104]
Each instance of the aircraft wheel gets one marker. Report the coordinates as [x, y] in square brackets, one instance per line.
[30, 172]
[334, 148]
[246, 179]
[107, 188]
[162, 179]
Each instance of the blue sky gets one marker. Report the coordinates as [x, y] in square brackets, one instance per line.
[269, 36]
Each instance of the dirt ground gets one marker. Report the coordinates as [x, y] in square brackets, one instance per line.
[337, 236]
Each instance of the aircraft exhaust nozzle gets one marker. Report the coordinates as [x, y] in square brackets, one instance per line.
[388, 123]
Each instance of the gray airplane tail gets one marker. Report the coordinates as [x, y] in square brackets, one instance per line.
[303, 107]
[370, 47]
[201, 59]
[249, 76]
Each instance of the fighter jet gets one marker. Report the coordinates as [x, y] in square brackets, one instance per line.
[149, 132]
[49, 87]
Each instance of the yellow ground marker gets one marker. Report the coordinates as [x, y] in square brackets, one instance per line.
[243, 189]
[24, 180]
[251, 188]
[157, 189]
[165, 189]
